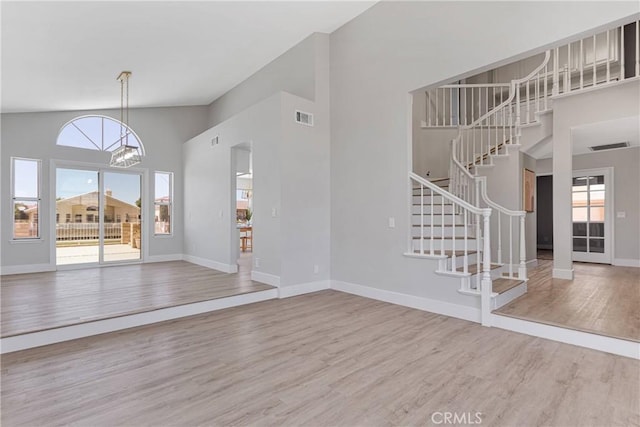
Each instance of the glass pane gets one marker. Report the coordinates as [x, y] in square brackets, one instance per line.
[579, 198]
[162, 219]
[122, 240]
[596, 229]
[579, 228]
[597, 198]
[580, 183]
[596, 245]
[163, 185]
[25, 178]
[579, 214]
[596, 180]
[77, 206]
[162, 200]
[70, 136]
[597, 214]
[25, 219]
[91, 128]
[580, 245]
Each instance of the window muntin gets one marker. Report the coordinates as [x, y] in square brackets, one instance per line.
[25, 198]
[163, 203]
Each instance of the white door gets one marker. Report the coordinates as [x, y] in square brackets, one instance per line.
[591, 209]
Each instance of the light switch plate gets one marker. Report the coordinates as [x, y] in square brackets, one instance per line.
[621, 215]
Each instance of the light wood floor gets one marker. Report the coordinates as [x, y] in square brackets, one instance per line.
[33, 302]
[601, 299]
[323, 359]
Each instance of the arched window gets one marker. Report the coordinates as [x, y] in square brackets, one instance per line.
[99, 133]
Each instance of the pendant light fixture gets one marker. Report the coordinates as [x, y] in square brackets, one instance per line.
[125, 155]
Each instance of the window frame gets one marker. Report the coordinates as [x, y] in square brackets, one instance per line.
[156, 204]
[37, 200]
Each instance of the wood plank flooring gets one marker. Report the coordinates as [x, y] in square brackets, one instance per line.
[323, 359]
[601, 299]
[39, 301]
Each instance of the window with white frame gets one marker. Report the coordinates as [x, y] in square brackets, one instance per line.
[25, 198]
[163, 203]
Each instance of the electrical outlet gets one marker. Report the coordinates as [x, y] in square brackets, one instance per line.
[274, 212]
[392, 222]
[256, 262]
[316, 269]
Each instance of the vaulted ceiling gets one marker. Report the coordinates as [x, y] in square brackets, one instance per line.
[67, 55]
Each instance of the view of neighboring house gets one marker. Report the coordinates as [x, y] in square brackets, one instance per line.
[83, 208]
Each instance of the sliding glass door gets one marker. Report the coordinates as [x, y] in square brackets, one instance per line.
[97, 216]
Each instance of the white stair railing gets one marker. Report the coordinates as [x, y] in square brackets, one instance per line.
[460, 104]
[493, 131]
[597, 59]
[433, 217]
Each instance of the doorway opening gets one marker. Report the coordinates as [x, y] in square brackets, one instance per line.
[97, 216]
[242, 194]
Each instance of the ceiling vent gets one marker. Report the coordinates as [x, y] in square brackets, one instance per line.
[609, 146]
[304, 118]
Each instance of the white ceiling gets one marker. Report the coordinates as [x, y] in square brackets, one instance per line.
[67, 55]
[626, 129]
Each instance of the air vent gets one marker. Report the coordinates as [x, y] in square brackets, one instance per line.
[304, 118]
[609, 146]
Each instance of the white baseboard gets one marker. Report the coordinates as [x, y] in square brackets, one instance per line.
[266, 278]
[561, 273]
[425, 304]
[226, 268]
[304, 288]
[50, 336]
[26, 268]
[532, 263]
[164, 258]
[568, 336]
[622, 262]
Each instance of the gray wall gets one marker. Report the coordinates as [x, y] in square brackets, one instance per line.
[291, 173]
[293, 72]
[33, 135]
[626, 197]
[208, 199]
[378, 58]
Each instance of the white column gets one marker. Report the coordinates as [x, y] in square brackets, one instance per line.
[562, 223]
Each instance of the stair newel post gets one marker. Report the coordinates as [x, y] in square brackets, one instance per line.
[485, 286]
[478, 235]
[522, 269]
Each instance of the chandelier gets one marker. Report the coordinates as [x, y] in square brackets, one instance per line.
[125, 155]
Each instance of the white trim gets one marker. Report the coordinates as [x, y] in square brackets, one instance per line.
[266, 278]
[225, 268]
[561, 273]
[569, 336]
[50, 336]
[624, 262]
[26, 268]
[303, 288]
[164, 258]
[532, 263]
[471, 314]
